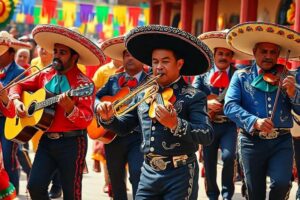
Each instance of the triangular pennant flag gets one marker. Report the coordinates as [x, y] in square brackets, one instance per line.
[102, 14]
[85, 11]
[134, 13]
[119, 13]
[69, 13]
[49, 9]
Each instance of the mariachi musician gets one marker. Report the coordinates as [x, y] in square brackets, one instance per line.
[63, 145]
[215, 83]
[173, 117]
[259, 100]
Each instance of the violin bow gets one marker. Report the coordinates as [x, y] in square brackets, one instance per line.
[280, 85]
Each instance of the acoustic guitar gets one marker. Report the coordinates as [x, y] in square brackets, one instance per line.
[39, 113]
[219, 98]
[95, 130]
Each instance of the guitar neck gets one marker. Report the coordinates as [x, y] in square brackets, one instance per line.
[47, 102]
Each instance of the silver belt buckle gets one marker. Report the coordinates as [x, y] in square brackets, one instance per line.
[158, 164]
[274, 134]
[53, 136]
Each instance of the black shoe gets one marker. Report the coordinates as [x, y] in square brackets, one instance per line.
[55, 192]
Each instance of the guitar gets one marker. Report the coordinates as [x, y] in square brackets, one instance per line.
[95, 130]
[219, 98]
[39, 113]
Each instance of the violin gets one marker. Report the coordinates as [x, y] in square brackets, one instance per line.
[274, 76]
[166, 98]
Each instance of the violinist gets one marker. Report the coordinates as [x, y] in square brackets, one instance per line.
[262, 110]
[215, 83]
[126, 149]
[170, 139]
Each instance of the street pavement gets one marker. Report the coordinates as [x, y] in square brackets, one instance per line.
[93, 183]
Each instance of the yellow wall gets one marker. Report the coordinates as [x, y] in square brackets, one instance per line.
[267, 10]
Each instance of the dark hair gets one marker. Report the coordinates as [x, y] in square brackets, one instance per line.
[215, 50]
[73, 52]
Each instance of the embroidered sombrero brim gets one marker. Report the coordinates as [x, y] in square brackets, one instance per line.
[141, 42]
[7, 41]
[243, 37]
[114, 48]
[217, 39]
[48, 35]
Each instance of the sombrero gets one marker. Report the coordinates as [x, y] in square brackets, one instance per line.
[217, 39]
[141, 42]
[243, 37]
[48, 35]
[7, 41]
[114, 47]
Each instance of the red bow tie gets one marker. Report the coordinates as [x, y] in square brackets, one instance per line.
[220, 79]
[130, 82]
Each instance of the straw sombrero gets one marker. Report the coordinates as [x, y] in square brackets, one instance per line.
[7, 41]
[48, 35]
[141, 41]
[243, 37]
[114, 47]
[217, 39]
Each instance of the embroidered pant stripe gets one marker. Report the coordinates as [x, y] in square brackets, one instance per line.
[81, 151]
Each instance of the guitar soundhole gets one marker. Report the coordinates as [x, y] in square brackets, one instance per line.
[31, 108]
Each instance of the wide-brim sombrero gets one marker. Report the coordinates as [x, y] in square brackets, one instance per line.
[243, 37]
[7, 41]
[114, 47]
[48, 35]
[217, 39]
[141, 41]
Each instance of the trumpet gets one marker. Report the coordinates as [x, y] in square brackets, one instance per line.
[122, 106]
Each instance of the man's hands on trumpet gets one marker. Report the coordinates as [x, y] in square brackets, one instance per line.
[104, 110]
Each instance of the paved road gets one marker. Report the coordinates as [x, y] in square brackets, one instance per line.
[93, 183]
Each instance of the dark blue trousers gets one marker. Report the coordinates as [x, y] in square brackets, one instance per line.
[178, 183]
[225, 139]
[67, 155]
[261, 158]
[10, 160]
[118, 153]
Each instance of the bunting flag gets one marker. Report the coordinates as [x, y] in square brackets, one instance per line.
[134, 13]
[49, 9]
[37, 14]
[60, 17]
[102, 14]
[86, 10]
[28, 6]
[69, 13]
[77, 22]
[106, 21]
[119, 13]
[91, 25]
[147, 15]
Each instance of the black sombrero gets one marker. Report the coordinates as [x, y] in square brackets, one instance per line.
[141, 42]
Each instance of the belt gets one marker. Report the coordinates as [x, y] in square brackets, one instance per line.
[160, 163]
[68, 134]
[273, 135]
[221, 119]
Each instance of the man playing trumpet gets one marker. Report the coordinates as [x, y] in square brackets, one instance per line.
[170, 135]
